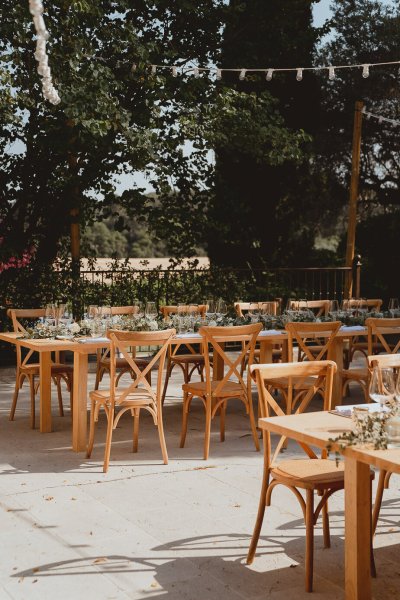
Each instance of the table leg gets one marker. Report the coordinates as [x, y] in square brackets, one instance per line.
[336, 354]
[265, 351]
[45, 392]
[357, 530]
[79, 417]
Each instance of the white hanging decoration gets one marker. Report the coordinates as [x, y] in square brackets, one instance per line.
[269, 74]
[242, 75]
[379, 118]
[365, 71]
[332, 73]
[299, 75]
[49, 91]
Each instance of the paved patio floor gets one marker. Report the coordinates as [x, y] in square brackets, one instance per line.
[145, 530]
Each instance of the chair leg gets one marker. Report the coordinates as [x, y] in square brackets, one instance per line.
[110, 424]
[71, 392]
[259, 520]
[167, 376]
[32, 394]
[207, 435]
[222, 421]
[378, 500]
[325, 526]
[89, 448]
[185, 415]
[136, 416]
[15, 397]
[160, 427]
[59, 395]
[309, 562]
[253, 421]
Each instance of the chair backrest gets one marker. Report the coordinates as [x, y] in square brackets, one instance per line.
[242, 308]
[323, 372]
[318, 307]
[24, 313]
[379, 329]
[371, 303]
[124, 343]
[172, 309]
[123, 310]
[215, 338]
[384, 361]
[322, 333]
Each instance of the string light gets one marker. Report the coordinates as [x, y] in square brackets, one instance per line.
[133, 67]
[174, 72]
[379, 118]
[153, 69]
[49, 91]
[331, 69]
[269, 74]
[196, 72]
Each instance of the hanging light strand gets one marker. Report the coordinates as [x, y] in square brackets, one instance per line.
[268, 72]
[379, 118]
[49, 91]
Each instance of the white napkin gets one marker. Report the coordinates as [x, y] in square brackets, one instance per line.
[93, 340]
[266, 332]
[353, 328]
[373, 407]
[188, 335]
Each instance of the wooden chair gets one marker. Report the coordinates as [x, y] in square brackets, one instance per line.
[320, 308]
[138, 395]
[241, 309]
[377, 332]
[26, 369]
[310, 474]
[358, 344]
[378, 329]
[122, 366]
[188, 362]
[215, 393]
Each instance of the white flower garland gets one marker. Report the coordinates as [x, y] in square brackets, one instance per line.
[49, 91]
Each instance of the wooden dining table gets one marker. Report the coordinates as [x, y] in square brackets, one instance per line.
[317, 429]
[44, 347]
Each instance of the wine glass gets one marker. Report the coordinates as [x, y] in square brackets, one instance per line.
[222, 308]
[182, 317]
[65, 316]
[138, 306]
[254, 311]
[50, 315]
[381, 387]
[193, 313]
[151, 310]
[211, 308]
[268, 308]
[393, 307]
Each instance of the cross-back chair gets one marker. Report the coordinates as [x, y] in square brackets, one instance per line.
[103, 356]
[311, 474]
[138, 395]
[189, 361]
[320, 308]
[382, 361]
[215, 393]
[359, 344]
[27, 369]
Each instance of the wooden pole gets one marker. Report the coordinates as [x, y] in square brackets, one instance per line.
[355, 173]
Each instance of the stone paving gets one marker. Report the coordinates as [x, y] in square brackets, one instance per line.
[145, 530]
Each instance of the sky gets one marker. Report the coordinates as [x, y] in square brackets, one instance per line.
[321, 14]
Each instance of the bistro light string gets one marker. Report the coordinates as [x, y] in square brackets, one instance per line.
[175, 70]
[379, 118]
[49, 91]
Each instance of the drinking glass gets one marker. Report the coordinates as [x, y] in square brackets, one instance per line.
[93, 311]
[151, 310]
[382, 387]
[211, 308]
[393, 307]
[222, 308]
[139, 312]
[182, 318]
[193, 313]
[254, 311]
[105, 318]
[268, 308]
[65, 316]
[50, 314]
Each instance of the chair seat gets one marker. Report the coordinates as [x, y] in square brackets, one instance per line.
[34, 368]
[299, 383]
[188, 358]
[306, 473]
[138, 397]
[199, 388]
[357, 374]
[122, 363]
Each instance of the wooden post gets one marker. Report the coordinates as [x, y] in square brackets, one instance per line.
[355, 173]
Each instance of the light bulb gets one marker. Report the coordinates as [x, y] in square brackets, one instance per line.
[196, 72]
[299, 74]
[332, 73]
[269, 74]
[174, 72]
[242, 74]
[153, 69]
[218, 74]
[365, 72]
